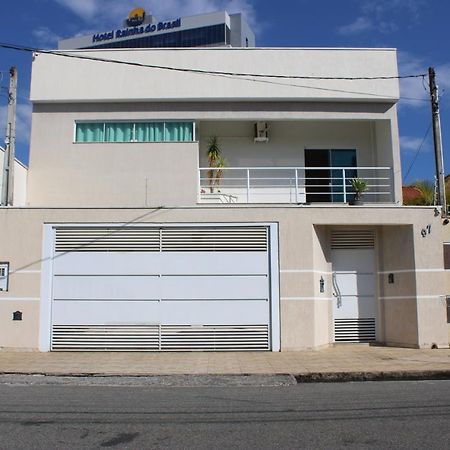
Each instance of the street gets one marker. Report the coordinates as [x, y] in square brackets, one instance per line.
[329, 415]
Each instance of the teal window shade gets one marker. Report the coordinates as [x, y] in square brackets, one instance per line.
[135, 132]
[90, 132]
[119, 132]
[150, 132]
[178, 132]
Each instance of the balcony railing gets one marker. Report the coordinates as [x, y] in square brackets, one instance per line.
[293, 184]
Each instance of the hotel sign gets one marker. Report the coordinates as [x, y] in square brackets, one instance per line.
[136, 27]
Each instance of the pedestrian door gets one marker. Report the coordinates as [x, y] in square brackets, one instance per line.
[354, 285]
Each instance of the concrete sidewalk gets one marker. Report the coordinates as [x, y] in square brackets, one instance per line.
[334, 361]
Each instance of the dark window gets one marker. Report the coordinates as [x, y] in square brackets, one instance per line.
[324, 178]
[448, 309]
[447, 256]
[212, 35]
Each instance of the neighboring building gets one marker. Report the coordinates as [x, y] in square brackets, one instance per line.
[446, 241]
[126, 244]
[20, 179]
[141, 30]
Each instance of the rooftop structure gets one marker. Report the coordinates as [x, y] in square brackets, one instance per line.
[142, 30]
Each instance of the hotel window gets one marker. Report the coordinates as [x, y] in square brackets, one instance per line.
[134, 132]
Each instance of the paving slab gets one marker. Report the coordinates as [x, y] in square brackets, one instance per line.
[350, 359]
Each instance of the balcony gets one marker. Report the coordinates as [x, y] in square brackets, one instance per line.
[295, 185]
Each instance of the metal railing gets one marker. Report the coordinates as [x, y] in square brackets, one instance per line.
[293, 184]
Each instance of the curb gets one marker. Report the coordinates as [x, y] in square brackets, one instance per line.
[248, 379]
[342, 377]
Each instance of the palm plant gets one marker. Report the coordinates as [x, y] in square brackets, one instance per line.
[427, 193]
[221, 162]
[215, 160]
[359, 186]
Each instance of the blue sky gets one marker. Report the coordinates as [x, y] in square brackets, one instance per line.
[417, 28]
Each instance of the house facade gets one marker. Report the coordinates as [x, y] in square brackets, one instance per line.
[129, 240]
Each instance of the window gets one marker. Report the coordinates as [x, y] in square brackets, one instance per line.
[324, 176]
[134, 132]
[209, 35]
[90, 132]
[4, 274]
[447, 255]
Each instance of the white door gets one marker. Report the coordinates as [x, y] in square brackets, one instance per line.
[354, 293]
[169, 288]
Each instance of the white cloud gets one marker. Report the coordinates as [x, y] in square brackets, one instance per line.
[413, 88]
[23, 122]
[360, 25]
[86, 9]
[112, 12]
[45, 37]
[385, 7]
[380, 15]
[412, 144]
[417, 88]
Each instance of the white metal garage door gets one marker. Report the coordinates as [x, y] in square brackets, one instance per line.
[161, 288]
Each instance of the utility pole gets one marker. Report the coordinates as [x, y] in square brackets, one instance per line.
[10, 142]
[440, 175]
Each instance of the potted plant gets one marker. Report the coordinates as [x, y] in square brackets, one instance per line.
[359, 186]
[216, 162]
[221, 162]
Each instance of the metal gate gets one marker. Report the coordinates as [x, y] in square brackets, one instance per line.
[146, 288]
[354, 285]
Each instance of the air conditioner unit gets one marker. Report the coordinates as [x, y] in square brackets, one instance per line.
[261, 132]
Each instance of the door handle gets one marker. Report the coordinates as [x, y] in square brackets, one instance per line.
[337, 292]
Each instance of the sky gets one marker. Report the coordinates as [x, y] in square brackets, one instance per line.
[417, 28]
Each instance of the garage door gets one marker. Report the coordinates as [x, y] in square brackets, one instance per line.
[161, 288]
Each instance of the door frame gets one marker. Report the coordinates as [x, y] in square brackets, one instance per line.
[48, 255]
[379, 320]
[330, 171]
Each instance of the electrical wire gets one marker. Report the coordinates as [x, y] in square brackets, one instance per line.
[417, 153]
[209, 72]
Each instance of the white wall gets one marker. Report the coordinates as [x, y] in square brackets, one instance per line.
[287, 142]
[20, 180]
[60, 79]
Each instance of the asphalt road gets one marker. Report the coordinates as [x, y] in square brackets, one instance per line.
[412, 415]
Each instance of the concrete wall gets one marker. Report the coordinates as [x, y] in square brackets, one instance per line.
[20, 180]
[446, 239]
[304, 256]
[59, 79]
[240, 31]
[396, 254]
[287, 142]
[64, 173]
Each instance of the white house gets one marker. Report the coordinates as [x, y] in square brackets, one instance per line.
[20, 179]
[129, 241]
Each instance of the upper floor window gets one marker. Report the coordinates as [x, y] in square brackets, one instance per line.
[134, 132]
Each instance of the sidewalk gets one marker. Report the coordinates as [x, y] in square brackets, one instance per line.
[315, 364]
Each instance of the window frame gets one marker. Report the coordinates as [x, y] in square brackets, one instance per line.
[446, 260]
[133, 132]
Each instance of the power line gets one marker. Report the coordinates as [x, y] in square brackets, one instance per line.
[209, 72]
[417, 153]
